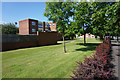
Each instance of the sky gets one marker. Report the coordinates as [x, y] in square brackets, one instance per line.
[15, 11]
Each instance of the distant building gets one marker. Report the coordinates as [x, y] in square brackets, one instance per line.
[31, 26]
[52, 26]
[88, 35]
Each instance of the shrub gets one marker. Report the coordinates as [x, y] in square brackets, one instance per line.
[9, 29]
[96, 66]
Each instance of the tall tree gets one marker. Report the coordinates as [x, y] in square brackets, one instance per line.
[105, 18]
[59, 12]
[98, 18]
[113, 13]
[83, 18]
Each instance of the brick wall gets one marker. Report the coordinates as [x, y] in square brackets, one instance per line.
[18, 41]
[23, 41]
[46, 38]
[24, 27]
[33, 26]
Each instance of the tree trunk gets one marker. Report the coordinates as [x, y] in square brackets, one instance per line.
[84, 36]
[96, 37]
[117, 38]
[64, 43]
[72, 37]
[85, 39]
[112, 36]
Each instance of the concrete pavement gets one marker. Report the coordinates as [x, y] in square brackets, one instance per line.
[115, 58]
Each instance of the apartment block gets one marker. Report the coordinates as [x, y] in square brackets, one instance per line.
[31, 26]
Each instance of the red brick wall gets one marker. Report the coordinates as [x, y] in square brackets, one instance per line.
[16, 45]
[24, 41]
[24, 27]
[46, 38]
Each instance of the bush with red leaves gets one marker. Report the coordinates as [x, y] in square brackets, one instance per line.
[95, 67]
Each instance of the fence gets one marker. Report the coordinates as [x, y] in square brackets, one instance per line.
[22, 41]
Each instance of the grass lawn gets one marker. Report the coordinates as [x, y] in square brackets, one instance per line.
[46, 61]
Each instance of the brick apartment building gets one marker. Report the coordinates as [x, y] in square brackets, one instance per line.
[31, 26]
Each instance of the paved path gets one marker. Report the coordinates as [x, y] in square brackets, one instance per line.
[116, 59]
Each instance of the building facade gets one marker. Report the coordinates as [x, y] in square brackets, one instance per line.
[88, 35]
[31, 26]
[52, 26]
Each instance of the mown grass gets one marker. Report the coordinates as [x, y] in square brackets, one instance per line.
[46, 61]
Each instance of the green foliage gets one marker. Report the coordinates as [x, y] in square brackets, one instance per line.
[105, 18]
[9, 29]
[59, 12]
[71, 30]
[83, 18]
[99, 23]
[96, 18]
[113, 13]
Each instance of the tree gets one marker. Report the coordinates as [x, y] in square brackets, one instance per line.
[82, 18]
[9, 29]
[71, 30]
[59, 12]
[99, 23]
[105, 18]
[113, 13]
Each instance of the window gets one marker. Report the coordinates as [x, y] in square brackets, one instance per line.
[50, 25]
[88, 35]
[40, 30]
[92, 36]
[47, 25]
[33, 23]
[33, 30]
[40, 25]
[53, 24]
